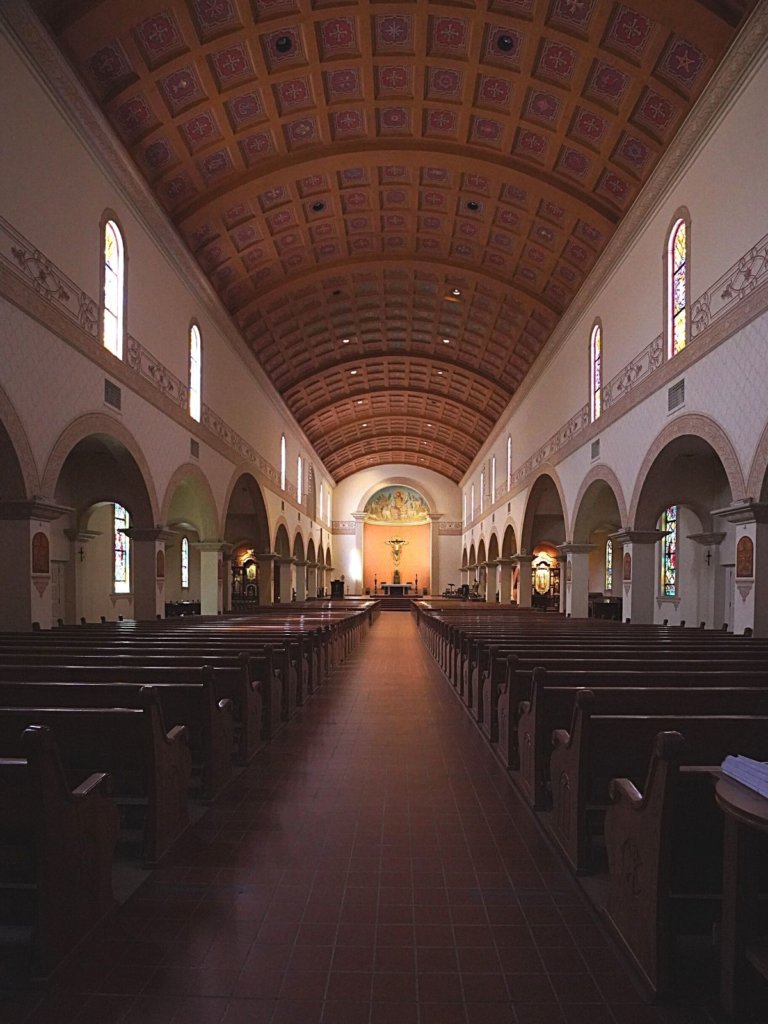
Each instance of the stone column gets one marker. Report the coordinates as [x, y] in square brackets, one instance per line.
[436, 584]
[524, 586]
[750, 601]
[710, 595]
[77, 549]
[504, 579]
[266, 564]
[25, 555]
[574, 589]
[148, 586]
[638, 572]
[210, 576]
[285, 567]
[312, 568]
[301, 580]
[352, 585]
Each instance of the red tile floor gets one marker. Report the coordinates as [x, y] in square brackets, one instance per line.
[373, 866]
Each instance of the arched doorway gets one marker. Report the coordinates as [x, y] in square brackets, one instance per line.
[593, 576]
[193, 566]
[542, 533]
[115, 565]
[682, 568]
[246, 532]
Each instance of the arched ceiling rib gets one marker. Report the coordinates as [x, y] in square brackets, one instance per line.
[364, 181]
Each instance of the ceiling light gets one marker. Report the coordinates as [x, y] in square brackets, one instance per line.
[352, 373]
[318, 206]
[456, 292]
[345, 341]
[505, 43]
[439, 373]
[359, 401]
[446, 341]
[283, 44]
[473, 205]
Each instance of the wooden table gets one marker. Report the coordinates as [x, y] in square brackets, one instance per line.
[746, 817]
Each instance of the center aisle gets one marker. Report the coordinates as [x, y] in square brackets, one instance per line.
[372, 866]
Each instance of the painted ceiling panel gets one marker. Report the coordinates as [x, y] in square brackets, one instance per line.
[395, 202]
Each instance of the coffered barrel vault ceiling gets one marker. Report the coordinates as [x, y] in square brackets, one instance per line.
[396, 202]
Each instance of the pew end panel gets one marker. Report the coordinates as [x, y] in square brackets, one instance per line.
[56, 849]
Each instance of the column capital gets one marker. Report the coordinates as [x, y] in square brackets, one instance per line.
[208, 545]
[359, 517]
[150, 533]
[82, 536]
[576, 549]
[435, 517]
[522, 559]
[33, 508]
[628, 536]
[746, 511]
[709, 540]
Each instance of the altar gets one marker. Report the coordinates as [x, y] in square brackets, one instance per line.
[396, 589]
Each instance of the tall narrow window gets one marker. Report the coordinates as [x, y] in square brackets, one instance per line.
[282, 461]
[493, 478]
[669, 552]
[482, 490]
[320, 506]
[465, 508]
[677, 301]
[195, 372]
[608, 566]
[299, 478]
[184, 563]
[114, 284]
[596, 373]
[122, 551]
[472, 502]
[328, 508]
[509, 462]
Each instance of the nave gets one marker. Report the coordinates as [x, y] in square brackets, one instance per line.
[372, 866]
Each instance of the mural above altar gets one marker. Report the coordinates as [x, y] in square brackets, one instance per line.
[396, 503]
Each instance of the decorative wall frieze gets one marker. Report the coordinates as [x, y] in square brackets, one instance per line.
[450, 528]
[63, 300]
[344, 527]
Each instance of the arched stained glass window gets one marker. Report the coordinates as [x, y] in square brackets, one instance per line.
[122, 551]
[184, 563]
[596, 373]
[509, 462]
[609, 565]
[669, 552]
[113, 295]
[195, 372]
[283, 452]
[677, 270]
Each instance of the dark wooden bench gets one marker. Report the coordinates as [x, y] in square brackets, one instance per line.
[209, 721]
[56, 849]
[151, 769]
[598, 748]
[633, 693]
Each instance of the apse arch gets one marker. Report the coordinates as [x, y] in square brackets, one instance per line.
[394, 481]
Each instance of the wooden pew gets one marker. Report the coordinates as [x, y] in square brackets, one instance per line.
[598, 748]
[56, 848]
[151, 768]
[209, 722]
[664, 845]
[553, 696]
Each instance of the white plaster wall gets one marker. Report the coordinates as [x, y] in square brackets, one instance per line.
[48, 160]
